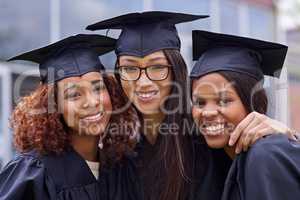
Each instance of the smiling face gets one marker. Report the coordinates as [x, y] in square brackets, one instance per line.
[217, 108]
[147, 94]
[85, 103]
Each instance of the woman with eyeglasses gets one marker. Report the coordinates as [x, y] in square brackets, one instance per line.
[154, 77]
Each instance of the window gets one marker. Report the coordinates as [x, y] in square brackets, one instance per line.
[229, 16]
[82, 13]
[23, 27]
[23, 86]
[261, 23]
[200, 7]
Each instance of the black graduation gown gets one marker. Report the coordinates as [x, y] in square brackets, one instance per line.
[211, 167]
[64, 177]
[270, 170]
[147, 163]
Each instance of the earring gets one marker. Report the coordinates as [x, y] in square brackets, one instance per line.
[100, 144]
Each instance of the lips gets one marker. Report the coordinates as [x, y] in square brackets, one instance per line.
[94, 118]
[213, 129]
[146, 96]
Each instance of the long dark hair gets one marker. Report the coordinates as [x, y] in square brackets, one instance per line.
[178, 159]
[250, 91]
[175, 151]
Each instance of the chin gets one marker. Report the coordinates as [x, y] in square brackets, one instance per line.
[216, 142]
[95, 128]
[148, 109]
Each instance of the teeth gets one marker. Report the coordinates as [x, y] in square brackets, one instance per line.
[94, 117]
[146, 94]
[214, 128]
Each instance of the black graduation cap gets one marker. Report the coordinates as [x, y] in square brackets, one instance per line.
[218, 52]
[72, 56]
[146, 32]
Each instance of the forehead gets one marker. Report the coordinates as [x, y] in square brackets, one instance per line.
[88, 77]
[212, 83]
[158, 55]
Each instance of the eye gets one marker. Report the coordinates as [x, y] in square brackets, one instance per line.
[224, 102]
[198, 102]
[72, 95]
[128, 69]
[158, 67]
[99, 87]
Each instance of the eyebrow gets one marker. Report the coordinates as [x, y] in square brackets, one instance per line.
[157, 58]
[96, 81]
[203, 96]
[213, 94]
[71, 86]
[224, 92]
[74, 85]
[129, 60]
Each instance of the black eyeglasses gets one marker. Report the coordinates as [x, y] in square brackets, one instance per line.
[153, 72]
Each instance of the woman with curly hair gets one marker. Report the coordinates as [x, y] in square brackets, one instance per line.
[63, 133]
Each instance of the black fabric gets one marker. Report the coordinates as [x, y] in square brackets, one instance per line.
[270, 170]
[146, 32]
[122, 180]
[66, 177]
[217, 52]
[147, 163]
[72, 56]
[210, 171]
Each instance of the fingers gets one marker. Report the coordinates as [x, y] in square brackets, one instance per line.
[248, 133]
[256, 133]
[261, 132]
[235, 135]
[254, 127]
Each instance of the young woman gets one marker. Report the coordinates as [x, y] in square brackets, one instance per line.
[227, 86]
[59, 128]
[154, 77]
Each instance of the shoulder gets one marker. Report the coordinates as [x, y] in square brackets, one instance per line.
[272, 145]
[269, 170]
[27, 165]
[25, 178]
[31, 160]
[26, 159]
[271, 152]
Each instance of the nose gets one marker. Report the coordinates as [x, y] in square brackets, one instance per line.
[210, 111]
[143, 80]
[92, 100]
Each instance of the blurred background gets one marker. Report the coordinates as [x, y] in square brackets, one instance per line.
[25, 25]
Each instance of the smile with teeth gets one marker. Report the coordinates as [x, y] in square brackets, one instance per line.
[213, 129]
[95, 117]
[146, 95]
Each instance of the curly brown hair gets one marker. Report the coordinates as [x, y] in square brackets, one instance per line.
[37, 125]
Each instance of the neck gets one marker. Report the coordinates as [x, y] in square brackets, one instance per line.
[86, 146]
[230, 151]
[151, 125]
